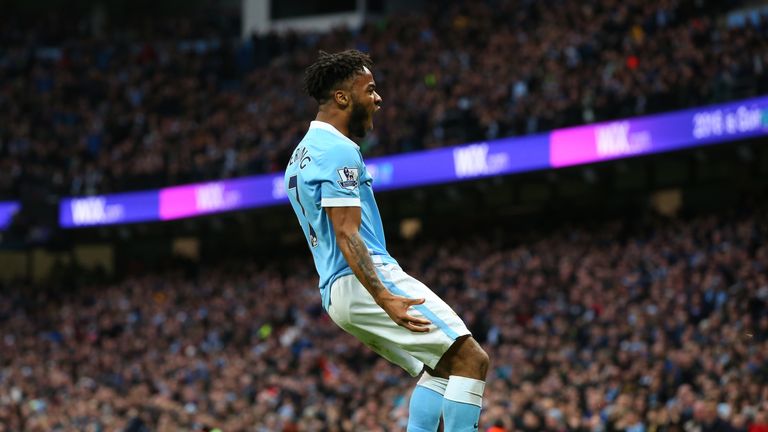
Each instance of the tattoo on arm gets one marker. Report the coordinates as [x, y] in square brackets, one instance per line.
[360, 261]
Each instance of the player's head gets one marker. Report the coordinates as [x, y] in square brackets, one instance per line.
[343, 82]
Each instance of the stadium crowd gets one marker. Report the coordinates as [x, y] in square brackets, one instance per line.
[658, 328]
[81, 114]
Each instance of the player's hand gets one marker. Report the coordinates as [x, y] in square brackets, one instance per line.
[397, 309]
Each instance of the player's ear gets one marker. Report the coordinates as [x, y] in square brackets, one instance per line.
[341, 97]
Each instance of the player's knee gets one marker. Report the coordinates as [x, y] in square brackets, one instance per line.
[478, 359]
[465, 358]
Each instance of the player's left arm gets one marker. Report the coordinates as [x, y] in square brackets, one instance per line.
[346, 227]
[340, 167]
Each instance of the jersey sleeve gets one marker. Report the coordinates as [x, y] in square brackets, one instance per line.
[340, 169]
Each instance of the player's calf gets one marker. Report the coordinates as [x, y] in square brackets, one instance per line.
[466, 365]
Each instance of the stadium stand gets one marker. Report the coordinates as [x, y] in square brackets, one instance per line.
[119, 112]
[638, 324]
[658, 328]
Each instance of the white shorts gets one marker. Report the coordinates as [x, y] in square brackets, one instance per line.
[353, 309]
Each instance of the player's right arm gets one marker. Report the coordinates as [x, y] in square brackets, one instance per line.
[346, 227]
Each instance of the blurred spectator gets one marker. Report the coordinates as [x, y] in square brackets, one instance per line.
[83, 114]
[760, 423]
[610, 329]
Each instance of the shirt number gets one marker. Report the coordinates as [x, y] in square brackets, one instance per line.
[293, 183]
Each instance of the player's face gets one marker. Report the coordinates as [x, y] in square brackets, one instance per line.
[365, 102]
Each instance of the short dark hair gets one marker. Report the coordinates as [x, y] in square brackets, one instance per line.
[330, 70]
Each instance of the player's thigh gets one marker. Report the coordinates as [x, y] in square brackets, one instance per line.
[436, 310]
[353, 309]
[356, 312]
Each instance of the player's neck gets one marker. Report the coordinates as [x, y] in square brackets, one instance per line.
[339, 122]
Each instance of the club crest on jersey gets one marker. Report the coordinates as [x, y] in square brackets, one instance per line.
[348, 178]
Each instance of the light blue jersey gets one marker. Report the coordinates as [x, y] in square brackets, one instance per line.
[326, 170]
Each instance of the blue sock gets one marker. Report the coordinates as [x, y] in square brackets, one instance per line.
[462, 402]
[426, 404]
[424, 410]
